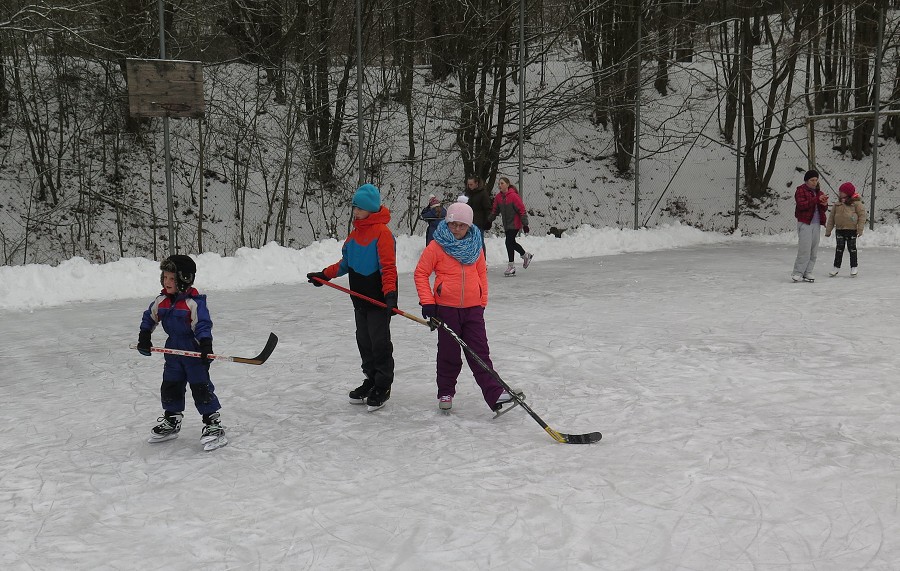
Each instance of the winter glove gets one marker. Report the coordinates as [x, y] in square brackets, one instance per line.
[429, 312]
[525, 229]
[390, 300]
[320, 275]
[144, 345]
[205, 350]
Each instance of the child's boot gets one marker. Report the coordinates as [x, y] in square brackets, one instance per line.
[213, 435]
[377, 397]
[168, 427]
[361, 393]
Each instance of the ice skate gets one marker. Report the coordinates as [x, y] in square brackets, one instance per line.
[213, 434]
[168, 428]
[377, 398]
[853, 272]
[526, 260]
[506, 402]
[445, 403]
[834, 271]
[361, 393]
[510, 270]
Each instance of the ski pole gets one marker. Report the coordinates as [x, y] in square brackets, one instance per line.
[588, 438]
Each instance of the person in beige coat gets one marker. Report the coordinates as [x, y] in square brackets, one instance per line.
[848, 216]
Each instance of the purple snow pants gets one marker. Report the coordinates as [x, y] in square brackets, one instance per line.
[468, 323]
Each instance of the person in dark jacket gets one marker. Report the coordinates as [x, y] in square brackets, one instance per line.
[183, 314]
[811, 212]
[432, 214]
[369, 256]
[481, 203]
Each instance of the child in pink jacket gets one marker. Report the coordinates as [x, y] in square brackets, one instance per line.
[458, 299]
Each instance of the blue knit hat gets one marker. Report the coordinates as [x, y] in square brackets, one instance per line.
[368, 198]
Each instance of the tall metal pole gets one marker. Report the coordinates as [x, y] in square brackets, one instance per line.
[637, 124]
[521, 93]
[877, 108]
[738, 119]
[168, 157]
[360, 125]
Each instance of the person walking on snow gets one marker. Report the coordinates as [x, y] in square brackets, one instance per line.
[458, 299]
[369, 256]
[811, 210]
[184, 316]
[848, 215]
[509, 206]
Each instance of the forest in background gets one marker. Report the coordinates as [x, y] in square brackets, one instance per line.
[276, 156]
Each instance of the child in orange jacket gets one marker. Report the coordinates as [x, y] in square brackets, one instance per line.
[458, 299]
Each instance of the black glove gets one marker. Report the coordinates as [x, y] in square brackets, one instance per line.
[525, 229]
[390, 300]
[144, 345]
[205, 350]
[320, 275]
[429, 312]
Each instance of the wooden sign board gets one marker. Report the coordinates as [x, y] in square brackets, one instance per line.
[165, 88]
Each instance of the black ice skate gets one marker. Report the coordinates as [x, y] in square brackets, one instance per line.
[168, 428]
[213, 435]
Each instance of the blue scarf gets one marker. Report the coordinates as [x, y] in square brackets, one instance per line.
[465, 250]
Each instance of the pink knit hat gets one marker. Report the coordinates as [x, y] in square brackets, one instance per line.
[459, 212]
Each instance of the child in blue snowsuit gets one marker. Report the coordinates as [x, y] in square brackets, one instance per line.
[184, 316]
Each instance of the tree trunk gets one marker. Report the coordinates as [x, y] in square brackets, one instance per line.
[864, 39]
[483, 88]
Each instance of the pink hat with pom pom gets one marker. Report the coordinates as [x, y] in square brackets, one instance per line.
[459, 212]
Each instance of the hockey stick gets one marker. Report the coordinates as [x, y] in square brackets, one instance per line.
[258, 360]
[588, 438]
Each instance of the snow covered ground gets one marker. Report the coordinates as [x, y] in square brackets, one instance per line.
[749, 422]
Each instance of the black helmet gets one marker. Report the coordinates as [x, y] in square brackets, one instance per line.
[184, 269]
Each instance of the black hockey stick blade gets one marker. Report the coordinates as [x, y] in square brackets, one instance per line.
[263, 355]
[588, 438]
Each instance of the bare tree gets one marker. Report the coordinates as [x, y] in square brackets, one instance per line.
[765, 134]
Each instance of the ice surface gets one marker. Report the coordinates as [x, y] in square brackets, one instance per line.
[749, 423]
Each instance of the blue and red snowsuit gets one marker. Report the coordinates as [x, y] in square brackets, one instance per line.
[185, 318]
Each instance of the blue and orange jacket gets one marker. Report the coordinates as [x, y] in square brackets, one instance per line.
[369, 255]
[183, 316]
